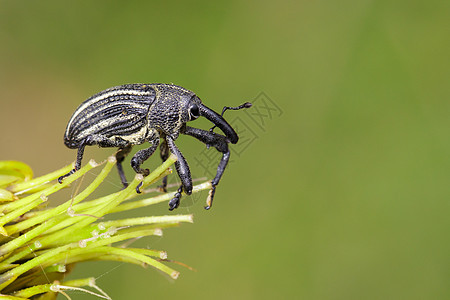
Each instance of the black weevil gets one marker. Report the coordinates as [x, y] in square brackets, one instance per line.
[132, 114]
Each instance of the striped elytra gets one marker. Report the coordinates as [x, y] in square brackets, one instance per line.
[117, 111]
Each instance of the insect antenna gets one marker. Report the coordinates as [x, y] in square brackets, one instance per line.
[225, 108]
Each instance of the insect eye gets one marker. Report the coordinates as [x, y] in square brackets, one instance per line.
[193, 111]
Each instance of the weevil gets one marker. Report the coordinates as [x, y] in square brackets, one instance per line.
[133, 114]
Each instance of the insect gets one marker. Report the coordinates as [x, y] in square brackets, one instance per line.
[133, 114]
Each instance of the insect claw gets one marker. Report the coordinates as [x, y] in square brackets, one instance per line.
[60, 179]
[138, 188]
[210, 198]
[175, 202]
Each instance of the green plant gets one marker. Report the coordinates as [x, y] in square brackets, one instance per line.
[38, 247]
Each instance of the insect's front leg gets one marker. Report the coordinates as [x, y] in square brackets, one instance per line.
[164, 153]
[183, 172]
[220, 143]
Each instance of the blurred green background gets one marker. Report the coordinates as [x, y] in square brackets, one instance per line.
[340, 188]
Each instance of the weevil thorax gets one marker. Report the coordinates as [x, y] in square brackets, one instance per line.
[170, 110]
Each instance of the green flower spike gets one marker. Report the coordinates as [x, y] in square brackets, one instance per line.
[38, 245]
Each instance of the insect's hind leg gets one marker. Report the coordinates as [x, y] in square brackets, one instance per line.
[120, 156]
[77, 162]
[94, 140]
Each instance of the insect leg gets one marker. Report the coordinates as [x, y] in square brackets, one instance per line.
[164, 153]
[220, 143]
[143, 155]
[78, 161]
[140, 157]
[120, 156]
[183, 172]
[89, 141]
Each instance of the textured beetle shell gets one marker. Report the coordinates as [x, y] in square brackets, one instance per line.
[119, 111]
[170, 110]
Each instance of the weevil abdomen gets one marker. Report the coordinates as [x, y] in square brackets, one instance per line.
[117, 112]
